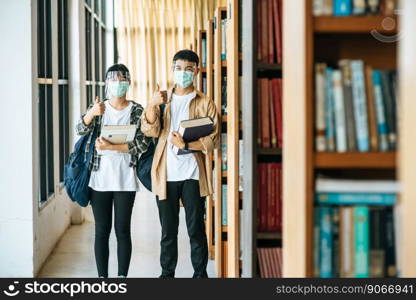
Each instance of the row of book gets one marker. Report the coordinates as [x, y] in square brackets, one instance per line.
[269, 31]
[355, 108]
[269, 211]
[354, 7]
[355, 228]
[270, 262]
[270, 130]
[223, 45]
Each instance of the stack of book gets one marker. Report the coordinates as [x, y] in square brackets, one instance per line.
[355, 108]
[355, 228]
[269, 212]
[270, 130]
[354, 7]
[270, 262]
[224, 39]
[269, 31]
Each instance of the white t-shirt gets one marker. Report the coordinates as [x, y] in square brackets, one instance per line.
[180, 167]
[114, 173]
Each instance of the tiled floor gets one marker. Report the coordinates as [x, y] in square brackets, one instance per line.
[74, 254]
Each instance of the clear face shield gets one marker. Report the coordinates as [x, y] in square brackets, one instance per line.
[117, 84]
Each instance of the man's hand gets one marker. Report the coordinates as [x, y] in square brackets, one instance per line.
[177, 140]
[158, 97]
[102, 144]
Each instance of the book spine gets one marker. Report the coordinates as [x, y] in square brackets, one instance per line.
[371, 108]
[329, 111]
[342, 7]
[224, 165]
[279, 194]
[341, 134]
[328, 7]
[359, 7]
[356, 198]
[391, 270]
[273, 197]
[320, 107]
[348, 103]
[270, 205]
[380, 112]
[270, 46]
[316, 241]
[389, 103]
[346, 242]
[377, 252]
[224, 220]
[373, 6]
[325, 245]
[204, 53]
[360, 107]
[224, 39]
[335, 242]
[361, 234]
[265, 113]
[265, 33]
[318, 8]
[272, 110]
[277, 21]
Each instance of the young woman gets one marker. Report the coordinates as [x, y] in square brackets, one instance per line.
[113, 176]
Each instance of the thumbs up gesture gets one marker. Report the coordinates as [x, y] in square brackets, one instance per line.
[159, 97]
[99, 107]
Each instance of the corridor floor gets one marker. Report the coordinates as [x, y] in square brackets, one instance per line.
[73, 256]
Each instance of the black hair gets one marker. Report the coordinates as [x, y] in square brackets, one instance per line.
[187, 55]
[118, 68]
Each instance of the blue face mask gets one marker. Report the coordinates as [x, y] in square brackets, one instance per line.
[118, 88]
[183, 78]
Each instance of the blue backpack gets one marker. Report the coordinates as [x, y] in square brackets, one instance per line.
[76, 171]
[144, 165]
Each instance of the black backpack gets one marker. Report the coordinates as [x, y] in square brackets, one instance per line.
[144, 165]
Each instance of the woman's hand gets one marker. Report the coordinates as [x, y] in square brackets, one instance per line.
[102, 144]
[99, 108]
[177, 140]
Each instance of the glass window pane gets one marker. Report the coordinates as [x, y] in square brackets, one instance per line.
[88, 44]
[96, 7]
[49, 140]
[97, 51]
[63, 129]
[41, 38]
[42, 143]
[48, 37]
[63, 38]
[103, 11]
[103, 55]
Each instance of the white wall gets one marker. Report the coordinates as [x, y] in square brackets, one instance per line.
[16, 159]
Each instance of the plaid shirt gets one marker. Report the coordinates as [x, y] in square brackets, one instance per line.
[137, 146]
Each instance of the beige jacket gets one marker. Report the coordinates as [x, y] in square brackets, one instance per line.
[201, 106]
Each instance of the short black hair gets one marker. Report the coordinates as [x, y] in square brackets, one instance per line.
[187, 55]
[118, 68]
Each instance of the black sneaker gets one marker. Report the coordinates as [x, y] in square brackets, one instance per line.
[166, 276]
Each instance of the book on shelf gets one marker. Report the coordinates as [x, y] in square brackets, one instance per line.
[269, 211]
[192, 130]
[224, 39]
[224, 95]
[355, 192]
[204, 85]
[270, 129]
[270, 262]
[355, 241]
[223, 151]
[204, 53]
[355, 108]
[269, 26]
[342, 8]
[224, 220]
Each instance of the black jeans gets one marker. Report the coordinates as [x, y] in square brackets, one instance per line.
[194, 205]
[102, 207]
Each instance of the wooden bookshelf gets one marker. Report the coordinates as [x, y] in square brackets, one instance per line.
[323, 39]
[219, 72]
[254, 154]
[354, 24]
[353, 160]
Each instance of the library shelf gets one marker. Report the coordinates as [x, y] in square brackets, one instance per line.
[354, 160]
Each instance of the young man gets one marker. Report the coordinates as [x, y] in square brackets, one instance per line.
[185, 177]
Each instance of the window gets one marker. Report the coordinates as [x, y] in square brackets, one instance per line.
[52, 93]
[95, 58]
[45, 102]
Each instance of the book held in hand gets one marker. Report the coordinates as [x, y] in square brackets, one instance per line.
[192, 130]
[119, 134]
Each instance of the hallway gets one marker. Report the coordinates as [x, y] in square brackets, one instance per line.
[73, 256]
